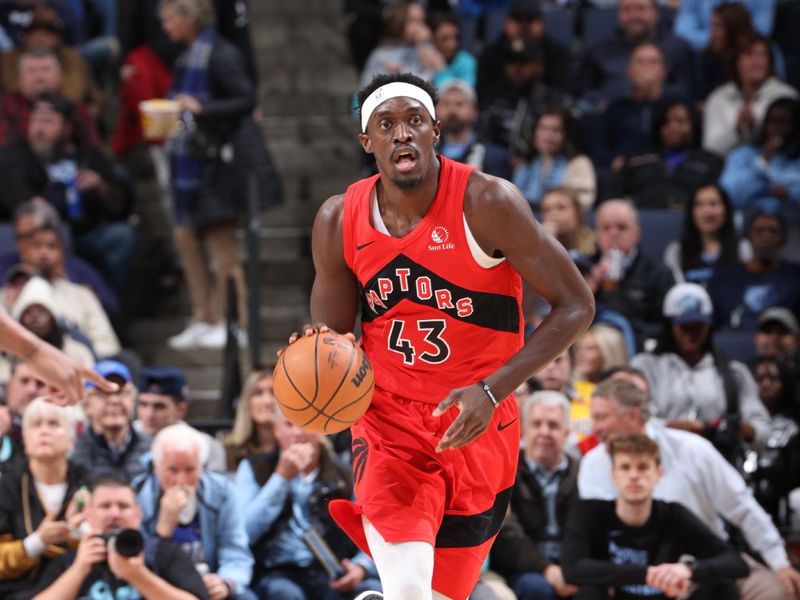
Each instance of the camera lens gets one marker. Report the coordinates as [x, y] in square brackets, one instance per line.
[127, 542]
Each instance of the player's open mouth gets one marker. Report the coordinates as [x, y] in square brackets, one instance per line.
[405, 160]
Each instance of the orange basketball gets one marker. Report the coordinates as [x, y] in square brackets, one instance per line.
[323, 383]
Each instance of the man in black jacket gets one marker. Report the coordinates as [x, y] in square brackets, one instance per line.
[528, 548]
[78, 181]
[623, 279]
[644, 548]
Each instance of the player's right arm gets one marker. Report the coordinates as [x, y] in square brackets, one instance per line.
[334, 296]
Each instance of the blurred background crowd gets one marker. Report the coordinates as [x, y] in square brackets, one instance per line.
[658, 141]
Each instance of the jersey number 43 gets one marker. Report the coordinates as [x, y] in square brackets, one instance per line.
[436, 350]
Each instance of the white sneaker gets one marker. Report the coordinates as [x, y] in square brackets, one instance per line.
[189, 337]
[214, 337]
[369, 595]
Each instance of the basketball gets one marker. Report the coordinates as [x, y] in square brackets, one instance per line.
[323, 383]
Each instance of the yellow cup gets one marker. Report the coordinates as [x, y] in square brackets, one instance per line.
[159, 117]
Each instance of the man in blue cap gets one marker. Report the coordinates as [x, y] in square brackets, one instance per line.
[164, 401]
[110, 444]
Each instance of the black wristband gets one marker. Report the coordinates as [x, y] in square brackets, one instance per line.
[488, 391]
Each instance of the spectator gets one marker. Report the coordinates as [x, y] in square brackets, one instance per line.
[46, 30]
[694, 20]
[77, 304]
[79, 181]
[163, 401]
[37, 309]
[39, 504]
[742, 291]
[110, 444]
[778, 336]
[623, 279]
[674, 168]
[645, 548]
[406, 46]
[771, 166]
[527, 551]
[183, 502]
[599, 349]
[509, 106]
[708, 239]
[626, 127]
[564, 217]
[39, 72]
[15, 279]
[22, 388]
[778, 464]
[603, 71]
[697, 476]
[693, 386]
[149, 57]
[216, 96]
[457, 112]
[523, 20]
[734, 112]
[30, 216]
[98, 571]
[555, 160]
[283, 496]
[730, 23]
[254, 425]
[557, 376]
[459, 64]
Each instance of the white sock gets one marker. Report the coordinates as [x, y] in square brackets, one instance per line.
[405, 569]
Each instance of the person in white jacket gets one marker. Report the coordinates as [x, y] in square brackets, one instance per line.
[735, 110]
[695, 387]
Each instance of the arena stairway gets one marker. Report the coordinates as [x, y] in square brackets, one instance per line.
[305, 89]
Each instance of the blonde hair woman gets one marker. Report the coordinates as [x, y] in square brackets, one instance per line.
[602, 347]
[255, 417]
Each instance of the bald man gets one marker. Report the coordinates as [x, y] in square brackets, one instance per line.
[622, 278]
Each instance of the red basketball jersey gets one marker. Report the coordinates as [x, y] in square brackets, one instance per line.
[432, 318]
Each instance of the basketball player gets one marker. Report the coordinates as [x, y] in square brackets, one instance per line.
[433, 251]
[48, 362]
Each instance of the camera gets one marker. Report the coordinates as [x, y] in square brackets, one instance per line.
[125, 542]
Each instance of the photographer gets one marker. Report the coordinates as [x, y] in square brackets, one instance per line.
[158, 570]
[283, 495]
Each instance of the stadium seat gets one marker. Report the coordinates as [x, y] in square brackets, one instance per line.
[598, 24]
[8, 242]
[559, 24]
[659, 228]
[736, 345]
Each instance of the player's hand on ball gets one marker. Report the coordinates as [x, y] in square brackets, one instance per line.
[309, 330]
[294, 460]
[476, 414]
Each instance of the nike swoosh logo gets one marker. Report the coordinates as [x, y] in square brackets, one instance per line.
[362, 246]
[501, 426]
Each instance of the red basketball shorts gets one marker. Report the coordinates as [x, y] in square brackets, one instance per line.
[454, 500]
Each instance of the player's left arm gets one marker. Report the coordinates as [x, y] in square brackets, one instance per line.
[503, 225]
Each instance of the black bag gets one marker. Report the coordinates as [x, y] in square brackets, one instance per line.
[725, 435]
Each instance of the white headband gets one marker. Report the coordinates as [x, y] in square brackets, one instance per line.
[394, 90]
